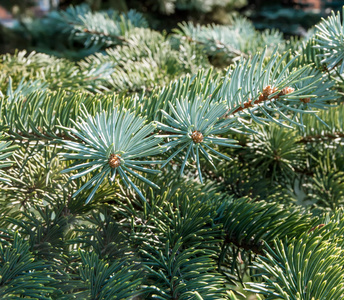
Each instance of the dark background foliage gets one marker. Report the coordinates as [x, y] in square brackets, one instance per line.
[289, 16]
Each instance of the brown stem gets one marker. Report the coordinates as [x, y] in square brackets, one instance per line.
[321, 137]
[267, 91]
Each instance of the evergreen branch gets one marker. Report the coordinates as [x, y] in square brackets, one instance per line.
[37, 71]
[265, 223]
[315, 138]
[231, 41]
[35, 177]
[326, 126]
[329, 39]
[5, 152]
[183, 273]
[299, 267]
[309, 54]
[276, 152]
[45, 233]
[110, 140]
[107, 281]
[194, 123]
[179, 249]
[270, 88]
[39, 116]
[98, 28]
[218, 45]
[147, 59]
[104, 236]
[325, 188]
[21, 275]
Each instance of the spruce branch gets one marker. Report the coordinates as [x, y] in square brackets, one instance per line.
[111, 142]
[309, 54]
[308, 267]
[20, 274]
[325, 126]
[193, 127]
[229, 43]
[104, 28]
[183, 273]
[102, 280]
[276, 152]
[325, 188]
[44, 228]
[33, 71]
[6, 150]
[35, 176]
[104, 235]
[264, 88]
[38, 116]
[146, 59]
[329, 39]
[179, 249]
[249, 224]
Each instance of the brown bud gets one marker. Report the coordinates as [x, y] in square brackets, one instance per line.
[305, 100]
[287, 90]
[114, 160]
[269, 90]
[197, 137]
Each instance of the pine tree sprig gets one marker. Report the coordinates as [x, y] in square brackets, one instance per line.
[271, 88]
[21, 275]
[112, 142]
[329, 39]
[107, 281]
[6, 151]
[193, 128]
[299, 267]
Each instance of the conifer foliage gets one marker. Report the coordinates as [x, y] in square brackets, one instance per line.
[196, 165]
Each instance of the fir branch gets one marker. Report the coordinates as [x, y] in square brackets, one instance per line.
[265, 223]
[329, 39]
[316, 138]
[21, 274]
[107, 281]
[300, 265]
[6, 150]
[229, 43]
[112, 142]
[270, 88]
